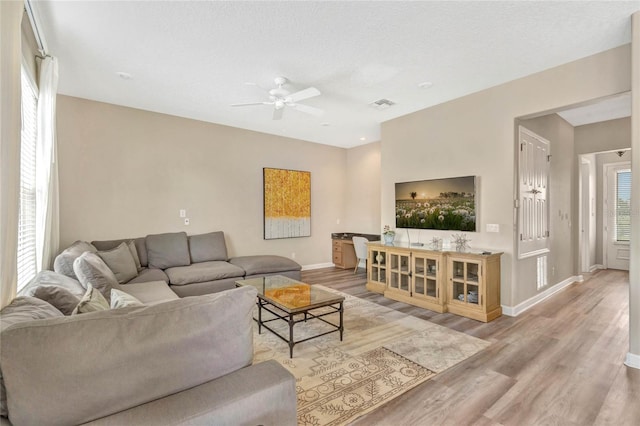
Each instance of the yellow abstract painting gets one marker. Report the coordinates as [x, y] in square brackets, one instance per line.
[287, 203]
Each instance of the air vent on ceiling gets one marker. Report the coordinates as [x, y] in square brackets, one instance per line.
[381, 104]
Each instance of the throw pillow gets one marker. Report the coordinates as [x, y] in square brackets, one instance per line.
[92, 301]
[121, 262]
[91, 269]
[59, 297]
[45, 277]
[63, 263]
[120, 299]
[134, 252]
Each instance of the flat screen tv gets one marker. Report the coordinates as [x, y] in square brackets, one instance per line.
[447, 204]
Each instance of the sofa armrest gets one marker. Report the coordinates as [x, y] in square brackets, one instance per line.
[262, 394]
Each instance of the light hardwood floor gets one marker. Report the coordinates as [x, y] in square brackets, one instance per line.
[559, 363]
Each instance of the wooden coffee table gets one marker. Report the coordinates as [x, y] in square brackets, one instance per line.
[293, 302]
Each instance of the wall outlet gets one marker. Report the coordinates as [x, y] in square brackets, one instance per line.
[493, 227]
[183, 213]
[293, 255]
[186, 221]
[337, 221]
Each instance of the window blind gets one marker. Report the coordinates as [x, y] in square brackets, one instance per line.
[623, 205]
[27, 218]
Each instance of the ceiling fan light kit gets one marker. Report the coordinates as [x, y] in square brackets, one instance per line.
[280, 98]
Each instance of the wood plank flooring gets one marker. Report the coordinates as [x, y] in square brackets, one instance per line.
[559, 363]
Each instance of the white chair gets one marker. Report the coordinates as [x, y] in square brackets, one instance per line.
[360, 246]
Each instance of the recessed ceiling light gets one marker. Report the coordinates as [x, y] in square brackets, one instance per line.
[124, 75]
[425, 85]
[324, 124]
[363, 138]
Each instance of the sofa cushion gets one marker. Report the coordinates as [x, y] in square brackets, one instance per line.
[51, 278]
[126, 357]
[120, 299]
[92, 301]
[265, 264]
[203, 271]
[121, 262]
[147, 274]
[151, 293]
[63, 263]
[168, 250]
[59, 297]
[22, 309]
[207, 247]
[141, 247]
[91, 269]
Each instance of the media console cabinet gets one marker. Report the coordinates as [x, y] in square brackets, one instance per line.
[465, 283]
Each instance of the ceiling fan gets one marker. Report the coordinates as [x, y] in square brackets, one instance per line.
[280, 98]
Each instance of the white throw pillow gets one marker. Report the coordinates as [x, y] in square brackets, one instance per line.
[120, 299]
[92, 301]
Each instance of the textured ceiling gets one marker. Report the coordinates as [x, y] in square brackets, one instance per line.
[193, 58]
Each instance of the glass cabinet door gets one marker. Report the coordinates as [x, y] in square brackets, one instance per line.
[425, 277]
[399, 272]
[465, 282]
[378, 265]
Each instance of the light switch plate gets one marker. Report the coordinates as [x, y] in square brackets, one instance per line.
[493, 227]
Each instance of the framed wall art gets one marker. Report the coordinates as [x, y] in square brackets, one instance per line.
[287, 203]
[446, 204]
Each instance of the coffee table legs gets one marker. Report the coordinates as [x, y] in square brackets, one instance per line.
[341, 322]
[291, 341]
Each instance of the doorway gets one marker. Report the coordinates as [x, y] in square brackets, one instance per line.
[617, 215]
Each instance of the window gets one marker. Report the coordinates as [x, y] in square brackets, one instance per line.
[623, 205]
[27, 218]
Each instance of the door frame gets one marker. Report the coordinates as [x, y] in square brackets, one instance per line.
[584, 223]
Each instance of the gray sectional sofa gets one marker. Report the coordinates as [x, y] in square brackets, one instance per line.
[167, 360]
[191, 265]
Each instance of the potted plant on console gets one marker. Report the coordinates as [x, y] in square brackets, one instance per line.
[388, 234]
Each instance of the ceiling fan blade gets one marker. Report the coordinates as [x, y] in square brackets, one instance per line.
[252, 103]
[308, 109]
[277, 113]
[307, 93]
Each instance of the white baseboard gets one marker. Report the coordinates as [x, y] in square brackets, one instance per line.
[317, 266]
[632, 360]
[514, 311]
[596, 267]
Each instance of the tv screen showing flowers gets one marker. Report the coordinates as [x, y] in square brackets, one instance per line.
[446, 204]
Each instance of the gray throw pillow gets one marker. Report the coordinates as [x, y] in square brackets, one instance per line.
[121, 262]
[208, 247]
[91, 269]
[51, 278]
[63, 263]
[59, 297]
[92, 301]
[134, 252]
[120, 299]
[168, 250]
[22, 309]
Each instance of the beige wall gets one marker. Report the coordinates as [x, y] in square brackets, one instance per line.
[126, 173]
[474, 135]
[605, 136]
[563, 215]
[362, 204]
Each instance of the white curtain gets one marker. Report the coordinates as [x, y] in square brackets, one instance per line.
[10, 126]
[47, 225]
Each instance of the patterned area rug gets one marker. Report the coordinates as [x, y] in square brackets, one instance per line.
[384, 353]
